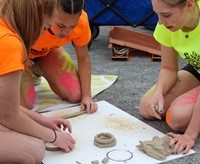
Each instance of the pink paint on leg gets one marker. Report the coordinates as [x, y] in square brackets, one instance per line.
[69, 80]
[31, 94]
[189, 98]
[71, 83]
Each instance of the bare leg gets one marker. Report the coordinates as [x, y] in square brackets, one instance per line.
[27, 91]
[59, 70]
[186, 82]
[19, 148]
[180, 112]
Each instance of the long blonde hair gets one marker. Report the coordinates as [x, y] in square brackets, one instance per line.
[26, 17]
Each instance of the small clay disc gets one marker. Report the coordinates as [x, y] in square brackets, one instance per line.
[51, 147]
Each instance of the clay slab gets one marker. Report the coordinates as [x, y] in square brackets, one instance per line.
[127, 130]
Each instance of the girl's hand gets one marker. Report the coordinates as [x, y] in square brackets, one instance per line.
[156, 108]
[64, 141]
[89, 105]
[57, 123]
[181, 143]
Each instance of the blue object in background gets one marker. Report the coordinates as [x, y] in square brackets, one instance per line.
[121, 12]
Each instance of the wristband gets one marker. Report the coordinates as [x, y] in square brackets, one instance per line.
[55, 136]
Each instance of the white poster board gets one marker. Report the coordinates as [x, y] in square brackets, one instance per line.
[127, 130]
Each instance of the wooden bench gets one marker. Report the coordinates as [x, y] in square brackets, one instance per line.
[129, 41]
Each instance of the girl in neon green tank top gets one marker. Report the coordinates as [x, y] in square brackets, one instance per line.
[175, 96]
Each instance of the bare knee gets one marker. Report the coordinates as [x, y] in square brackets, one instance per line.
[143, 109]
[76, 98]
[175, 120]
[30, 151]
[176, 125]
[35, 154]
[27, 100]
[26, 105]
[66, 90]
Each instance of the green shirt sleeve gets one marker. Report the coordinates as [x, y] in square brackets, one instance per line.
[163, 35]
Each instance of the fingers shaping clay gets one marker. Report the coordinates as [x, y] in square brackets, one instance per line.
[52, 147]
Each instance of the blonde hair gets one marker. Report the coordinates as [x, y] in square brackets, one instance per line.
[175, 3]
[26, 17]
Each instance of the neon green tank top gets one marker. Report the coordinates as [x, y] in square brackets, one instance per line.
[187, 48]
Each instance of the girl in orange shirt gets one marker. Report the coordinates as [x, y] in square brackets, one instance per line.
[22, 132]
[53, 63]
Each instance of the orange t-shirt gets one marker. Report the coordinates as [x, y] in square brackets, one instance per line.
[80, 36]
[11, 50]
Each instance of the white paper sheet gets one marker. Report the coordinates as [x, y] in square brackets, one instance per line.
[127, 130]
[46, 100]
